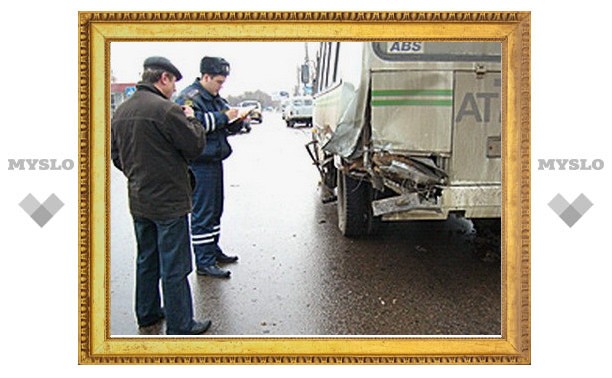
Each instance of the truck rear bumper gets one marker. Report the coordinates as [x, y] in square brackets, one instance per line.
[474, 201]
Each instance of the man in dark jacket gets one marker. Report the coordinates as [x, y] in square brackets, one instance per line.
[152, 140]
[219, 120]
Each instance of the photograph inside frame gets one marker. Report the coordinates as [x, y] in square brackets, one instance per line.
[358, 191]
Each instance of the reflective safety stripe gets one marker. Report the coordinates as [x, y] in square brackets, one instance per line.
[211, 124]
[207, 122]
[203, 241]
[204, 236]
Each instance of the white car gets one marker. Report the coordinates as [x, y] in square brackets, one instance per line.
[298, 110]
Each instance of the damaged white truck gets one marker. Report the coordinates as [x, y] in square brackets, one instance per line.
[408, 131]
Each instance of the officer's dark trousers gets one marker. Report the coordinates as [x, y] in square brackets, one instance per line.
[163, 253]
[206, 213]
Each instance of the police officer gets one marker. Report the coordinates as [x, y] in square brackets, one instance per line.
[215, 115]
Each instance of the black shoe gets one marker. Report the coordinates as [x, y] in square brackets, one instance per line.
[196, 329]
[225, 259]
[152, 321]
[213, 271]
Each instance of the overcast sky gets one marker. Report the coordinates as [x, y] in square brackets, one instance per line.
[268, 66]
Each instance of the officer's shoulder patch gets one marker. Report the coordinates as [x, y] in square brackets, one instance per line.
[191, 93]
[187, 96]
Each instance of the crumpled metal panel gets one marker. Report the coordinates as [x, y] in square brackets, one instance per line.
[349, 123]
[411, 171]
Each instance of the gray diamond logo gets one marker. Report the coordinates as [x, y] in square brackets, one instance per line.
[41, 213]
[570, 213]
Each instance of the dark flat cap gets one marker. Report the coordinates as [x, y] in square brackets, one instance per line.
[160, 62]
[214, 66]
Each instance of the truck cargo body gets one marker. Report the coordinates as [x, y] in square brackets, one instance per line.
[409, 130]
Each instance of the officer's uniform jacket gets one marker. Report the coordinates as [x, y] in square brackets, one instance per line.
[151, 143]
[210, 111]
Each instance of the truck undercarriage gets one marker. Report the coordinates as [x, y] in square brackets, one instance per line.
[378, 184]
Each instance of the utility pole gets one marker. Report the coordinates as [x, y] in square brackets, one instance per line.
[305, 73]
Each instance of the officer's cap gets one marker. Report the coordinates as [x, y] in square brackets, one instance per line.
[160, 62]
[214, 66]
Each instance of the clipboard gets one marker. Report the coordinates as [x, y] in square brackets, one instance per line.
[243, 113]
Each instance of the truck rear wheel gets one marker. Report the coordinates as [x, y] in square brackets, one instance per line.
[354, 206]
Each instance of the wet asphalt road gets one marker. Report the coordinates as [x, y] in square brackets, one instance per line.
[297, 275]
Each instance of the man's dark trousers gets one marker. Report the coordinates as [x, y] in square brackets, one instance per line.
[207, 211]
[164, 252]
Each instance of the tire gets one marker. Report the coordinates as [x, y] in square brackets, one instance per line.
[354, 206]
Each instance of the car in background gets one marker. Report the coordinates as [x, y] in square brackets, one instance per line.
[256, 113]
[283, 106]
[298, 110]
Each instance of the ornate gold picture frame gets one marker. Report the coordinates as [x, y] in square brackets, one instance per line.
[98, 29]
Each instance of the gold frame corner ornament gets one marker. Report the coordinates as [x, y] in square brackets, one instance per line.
[98, 29]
